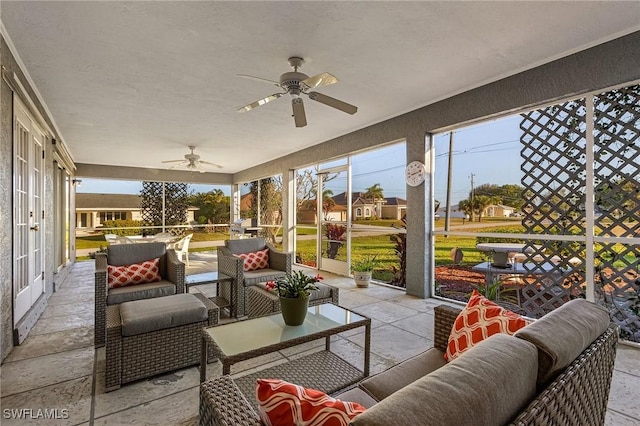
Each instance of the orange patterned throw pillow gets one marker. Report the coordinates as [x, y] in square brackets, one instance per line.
[138, 273]
[283, 403]
[480, 319]
[255, 260]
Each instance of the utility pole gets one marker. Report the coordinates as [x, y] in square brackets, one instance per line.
[472, 197]
[447, 219]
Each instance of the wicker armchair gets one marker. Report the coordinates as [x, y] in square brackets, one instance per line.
[231, 265]
[172, 272]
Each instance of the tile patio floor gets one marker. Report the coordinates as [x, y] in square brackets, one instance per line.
[58, 368]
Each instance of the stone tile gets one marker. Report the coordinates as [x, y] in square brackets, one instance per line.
[86, 310]
[385, 311]
[354, 354]
[384, 292]
[319, 343]
[352, 299]
[256, 363]
[64, 323]
[38, 345]
[624, 394]
[34, 373]
[70, 402]
[393, 343]
[614, 418]
[420, 324]
[76, 299]
[179, 408]
[412, 302]
[144, 391]
[628, 359]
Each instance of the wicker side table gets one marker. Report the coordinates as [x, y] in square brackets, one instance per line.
[262, 302]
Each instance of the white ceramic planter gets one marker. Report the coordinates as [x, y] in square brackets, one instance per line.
[362, 278]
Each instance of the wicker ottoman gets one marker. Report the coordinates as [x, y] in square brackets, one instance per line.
[262, 302]
[153, 336]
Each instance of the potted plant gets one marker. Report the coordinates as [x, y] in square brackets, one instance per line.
[362, 270]
[294, 290]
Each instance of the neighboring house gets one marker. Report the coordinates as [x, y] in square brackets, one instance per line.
[393, 208]
[361, 207]
[307, 213]
[454, 213]
[92, 210]
[498, 210]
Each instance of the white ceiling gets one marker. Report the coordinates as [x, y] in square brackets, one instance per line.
[135, 83]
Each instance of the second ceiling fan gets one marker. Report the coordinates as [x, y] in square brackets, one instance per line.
[296, 84]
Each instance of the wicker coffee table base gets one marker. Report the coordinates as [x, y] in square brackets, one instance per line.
[322, 370]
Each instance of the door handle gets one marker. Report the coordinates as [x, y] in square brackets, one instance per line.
[35, 228]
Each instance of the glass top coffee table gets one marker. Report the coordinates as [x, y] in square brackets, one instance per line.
[242, 340]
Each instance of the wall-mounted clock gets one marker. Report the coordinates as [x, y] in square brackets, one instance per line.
[415, 173]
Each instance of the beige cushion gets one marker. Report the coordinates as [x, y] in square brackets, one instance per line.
[140, 291]
[144, 316]
[488, 385]
[357, 395]
[262, 275]
[384, 384]
[561, 335]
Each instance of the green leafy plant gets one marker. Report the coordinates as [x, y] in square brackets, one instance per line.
[92, 255]
[366, 264]
[494, 291]
[297, 284]
[335, 234]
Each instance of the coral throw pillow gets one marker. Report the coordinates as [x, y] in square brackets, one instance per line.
[480, 319]
[138, 273]
[255, 260]
[283, 403]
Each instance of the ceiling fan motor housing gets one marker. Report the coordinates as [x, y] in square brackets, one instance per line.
[290, 81]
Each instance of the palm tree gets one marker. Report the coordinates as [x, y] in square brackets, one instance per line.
[376, 195]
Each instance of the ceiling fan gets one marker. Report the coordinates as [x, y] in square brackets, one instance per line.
[296, 84]
[192, 162]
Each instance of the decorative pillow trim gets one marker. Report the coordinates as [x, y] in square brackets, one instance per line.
[283, 403]
[138, 273]
[255, 260]
[480, 319]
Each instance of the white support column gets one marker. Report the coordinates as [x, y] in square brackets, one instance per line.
[419, 270]
[288, 209]
[235, 202]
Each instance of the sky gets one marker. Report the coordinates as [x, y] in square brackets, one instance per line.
[490, 151]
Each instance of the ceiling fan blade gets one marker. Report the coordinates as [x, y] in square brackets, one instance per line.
[198, 167]
[323, 79]
[211, 164]
[298, 112]
[264, 80]
[259, 102]
[333, 102]
[178, 165]
[173, 161]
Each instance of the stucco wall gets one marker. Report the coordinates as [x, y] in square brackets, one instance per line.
[6, 223]
[6, 199]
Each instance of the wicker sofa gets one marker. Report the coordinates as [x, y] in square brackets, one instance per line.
[231, 265]
[171, 270]
[556, 370]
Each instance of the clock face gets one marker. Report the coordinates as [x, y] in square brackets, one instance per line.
[415, 173]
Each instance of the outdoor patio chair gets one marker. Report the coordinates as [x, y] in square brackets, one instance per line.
[171, 269]
[182, 248]
[229, 263]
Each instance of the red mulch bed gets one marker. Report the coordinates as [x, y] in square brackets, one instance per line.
[456, 282]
